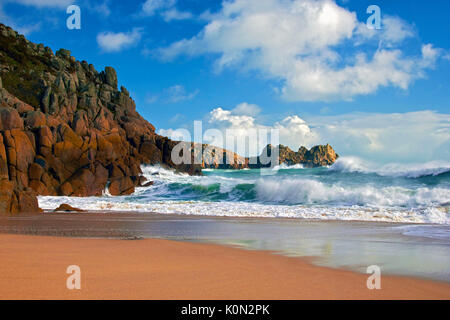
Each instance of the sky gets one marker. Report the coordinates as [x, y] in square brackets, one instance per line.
[315, 70]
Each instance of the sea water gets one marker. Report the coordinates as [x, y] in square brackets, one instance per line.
[348, 190]
[352, 214]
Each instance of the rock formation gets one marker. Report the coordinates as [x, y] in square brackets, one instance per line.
[67, 208]
[218, 158]
[318, 156]
[66, 129]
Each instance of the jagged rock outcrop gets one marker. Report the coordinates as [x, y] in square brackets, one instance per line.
[318, 156]
[218, 158]
[66, 129]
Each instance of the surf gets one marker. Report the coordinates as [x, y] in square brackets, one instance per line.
[349, 190]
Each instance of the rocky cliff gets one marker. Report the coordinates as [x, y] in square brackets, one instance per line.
[318, 156]
[66, 129]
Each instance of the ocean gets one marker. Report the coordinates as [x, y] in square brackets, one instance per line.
[351, 189]
[350, 215]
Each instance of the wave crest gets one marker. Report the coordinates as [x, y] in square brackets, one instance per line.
[354, 164]
[305, 191]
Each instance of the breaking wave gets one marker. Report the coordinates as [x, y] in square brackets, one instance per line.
[353, 164]
[319, 193]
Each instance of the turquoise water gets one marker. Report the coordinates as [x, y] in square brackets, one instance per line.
[352, 214]
[314, 186]
[348, 190]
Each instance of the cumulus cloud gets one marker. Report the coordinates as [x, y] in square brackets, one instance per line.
[379, 137]
[230, 119]
[247, 109]
[394, 31]
[393, 137]
[241, 127]
[114, 42]
[313, 47]
[292, 131]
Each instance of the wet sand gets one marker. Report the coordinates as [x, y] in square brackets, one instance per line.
[399, 249]
[34, 267]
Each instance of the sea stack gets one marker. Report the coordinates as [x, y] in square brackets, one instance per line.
[317, 156]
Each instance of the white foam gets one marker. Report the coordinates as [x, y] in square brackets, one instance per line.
[284, 166]
[354, 164]
[295, 191]
[288, 196]
[245, 209]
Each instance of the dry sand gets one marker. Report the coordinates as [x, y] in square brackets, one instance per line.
[34, 267]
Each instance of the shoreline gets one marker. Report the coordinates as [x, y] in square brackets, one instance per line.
[349, 245]
[34, 267]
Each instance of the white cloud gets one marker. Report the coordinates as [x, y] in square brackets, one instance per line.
[237, 125]
[114, 42]
[313, 47]
[247, 109]
[379, 137]
[150, 7]
[394, 31]
[167, 9]
[293, 131]
[231, 120]
[102, 8]
[405, 137]
[178, 93]
[173, 94]
[172, 134]
[174, 14]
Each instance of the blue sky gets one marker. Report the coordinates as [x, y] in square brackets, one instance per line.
[311, 69]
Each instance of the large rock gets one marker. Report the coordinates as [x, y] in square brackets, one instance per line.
[6, 195]
[67, 208]
[35, 119]
[27, 201]
[111, 77]
[121, 186]
[10, 119]
[318, 156]
[4, 173]
[66, 129]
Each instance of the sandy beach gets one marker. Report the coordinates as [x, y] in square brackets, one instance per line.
[34, 267]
